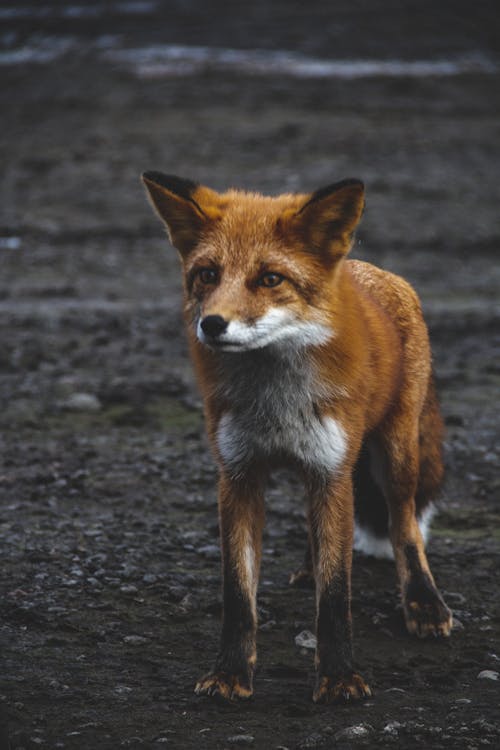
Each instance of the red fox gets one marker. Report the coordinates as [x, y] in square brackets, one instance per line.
[321, 363]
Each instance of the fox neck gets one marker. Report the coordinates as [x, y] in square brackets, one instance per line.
[268, 413]
[267, 379]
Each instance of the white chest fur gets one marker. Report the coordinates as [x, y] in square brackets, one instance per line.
[272, 414]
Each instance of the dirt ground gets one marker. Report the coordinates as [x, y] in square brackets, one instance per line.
[110, 585]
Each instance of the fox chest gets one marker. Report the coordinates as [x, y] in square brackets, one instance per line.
[272, 415]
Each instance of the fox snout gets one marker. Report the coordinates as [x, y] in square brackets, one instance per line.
[224, 333]
[213, 325]
[278, 326]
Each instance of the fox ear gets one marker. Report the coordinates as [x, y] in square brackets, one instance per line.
[326, 222]
[184, 206]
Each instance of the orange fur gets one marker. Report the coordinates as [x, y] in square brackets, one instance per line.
[267, 276]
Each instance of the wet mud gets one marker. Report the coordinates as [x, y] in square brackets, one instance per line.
[110, 568]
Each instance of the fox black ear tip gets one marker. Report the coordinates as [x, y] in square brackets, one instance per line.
[354, 182]
[177, 185]
[151, 175]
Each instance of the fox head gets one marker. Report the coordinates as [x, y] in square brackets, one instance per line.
[258, 270]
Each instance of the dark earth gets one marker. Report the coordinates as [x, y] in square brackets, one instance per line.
[110, 581]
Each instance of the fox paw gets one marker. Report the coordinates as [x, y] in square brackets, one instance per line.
[428, 618]
[351, 688]
[230, 687]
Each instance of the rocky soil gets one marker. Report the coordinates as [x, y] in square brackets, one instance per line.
[110, 589]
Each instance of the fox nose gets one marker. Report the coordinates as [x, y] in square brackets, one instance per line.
[213, 325]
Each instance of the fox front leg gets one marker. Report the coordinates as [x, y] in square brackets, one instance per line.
[241, 511]
[331, 529]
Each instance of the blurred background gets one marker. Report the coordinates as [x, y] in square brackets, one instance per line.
[109, 579]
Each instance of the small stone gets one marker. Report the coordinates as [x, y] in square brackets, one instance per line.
[188, 603]
[123, 690]
[269, 625]
[128, 588]
[485, 726]
[455, 597]
[392, 728]
[84, 402]
[355, 732]
[135, 640]
[210, 551]
[10, 243]
[241, 739]
[488, 674]
[176, 593]
[306, 639]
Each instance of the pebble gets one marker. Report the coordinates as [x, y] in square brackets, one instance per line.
[128, 588]
[488, 674]
[269, 625]
[10, 243]
[454, 596]
[485, 726]
[122, 689]
[210, 551]
[306, 639]
[188, 603]
[84, 402]
[392, 728]
[176, 593]
[357, 731]
[135, 640]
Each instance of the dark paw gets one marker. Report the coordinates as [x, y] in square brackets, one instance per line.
[428, 618]
[351, 688]
[230, 687]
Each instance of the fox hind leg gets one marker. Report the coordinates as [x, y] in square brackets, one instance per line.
[424, 608]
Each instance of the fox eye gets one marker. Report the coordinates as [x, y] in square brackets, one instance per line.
[270, 279]
[208, 275]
